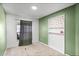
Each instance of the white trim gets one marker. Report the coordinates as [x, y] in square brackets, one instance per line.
[44, 44]
[56, 49]
[67, 55]
[4, 52]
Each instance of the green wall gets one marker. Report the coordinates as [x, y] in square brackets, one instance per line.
[70, 30]
[70, 42]
[77, 29]
[43, 32]
[2, 30]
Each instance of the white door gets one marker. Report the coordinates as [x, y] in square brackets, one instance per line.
[56, 33]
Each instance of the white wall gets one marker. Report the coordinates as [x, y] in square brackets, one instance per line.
[55, 37]
[35, 31]
[12, 29]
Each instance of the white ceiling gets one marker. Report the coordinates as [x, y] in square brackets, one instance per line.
[24, 9]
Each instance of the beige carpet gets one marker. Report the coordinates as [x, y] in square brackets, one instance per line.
[36, 49]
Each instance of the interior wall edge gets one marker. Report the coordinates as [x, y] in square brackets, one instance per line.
[2, 30]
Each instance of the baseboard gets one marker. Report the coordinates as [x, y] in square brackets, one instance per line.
[67, 55]
[44, 44]
[4, 52]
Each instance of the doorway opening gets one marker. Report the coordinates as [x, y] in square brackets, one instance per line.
[24, 32]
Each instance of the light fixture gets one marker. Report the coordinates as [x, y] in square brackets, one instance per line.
[34, 7]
